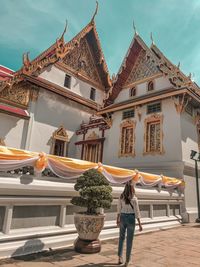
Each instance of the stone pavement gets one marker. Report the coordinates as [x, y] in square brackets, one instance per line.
[177, 247]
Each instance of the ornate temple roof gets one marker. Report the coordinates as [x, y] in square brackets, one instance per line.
[142, 63]
[59, 54]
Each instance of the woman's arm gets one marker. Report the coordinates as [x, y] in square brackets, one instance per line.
[137, 213]
[140, 225]
[118, 212]
[118, 220]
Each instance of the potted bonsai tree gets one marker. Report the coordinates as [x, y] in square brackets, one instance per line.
[94, 193]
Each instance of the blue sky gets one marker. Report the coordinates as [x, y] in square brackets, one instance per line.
[27, 25]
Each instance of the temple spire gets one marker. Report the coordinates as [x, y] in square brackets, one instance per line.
[178, 66]
[65, 29]
[152, 41]
[26, 60]
[134, 27]
[96, 10]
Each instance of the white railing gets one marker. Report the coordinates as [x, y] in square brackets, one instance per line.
[36, 213]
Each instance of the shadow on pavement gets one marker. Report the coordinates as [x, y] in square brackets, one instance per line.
[99, 265]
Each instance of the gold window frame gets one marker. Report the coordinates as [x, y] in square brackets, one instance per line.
[153, 118]
[60, 134]
[127, 124]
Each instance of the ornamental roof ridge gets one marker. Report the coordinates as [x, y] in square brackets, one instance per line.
[176, 76]
[114, 90]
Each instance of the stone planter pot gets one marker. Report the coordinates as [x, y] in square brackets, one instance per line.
[88, 226]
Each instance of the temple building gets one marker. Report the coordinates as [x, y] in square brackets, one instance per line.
[65, 103]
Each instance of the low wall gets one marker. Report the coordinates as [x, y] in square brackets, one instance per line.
[36, 213]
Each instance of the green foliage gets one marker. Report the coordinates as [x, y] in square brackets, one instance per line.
[94, 190]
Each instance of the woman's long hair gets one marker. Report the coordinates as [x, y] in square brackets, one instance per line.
[128, 192]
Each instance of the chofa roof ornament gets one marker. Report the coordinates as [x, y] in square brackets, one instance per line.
[96, 11]
[134, 27]
[152, 40]
[65, 29]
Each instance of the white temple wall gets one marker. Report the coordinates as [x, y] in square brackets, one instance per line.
[79, 87]
[51, 112]
[189, 141]
[189, 138]
[11, 130]
[141, 89]
[152, 163]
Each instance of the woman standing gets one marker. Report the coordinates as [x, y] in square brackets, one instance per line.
[128, 211]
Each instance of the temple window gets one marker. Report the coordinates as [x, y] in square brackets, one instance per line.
[127, 139]
[153, 135]
[92, 150]
[67, 82]
[150, 86]
[153, 108]
[128, 114]
[92, 93]
[132, 92]
[60, 142]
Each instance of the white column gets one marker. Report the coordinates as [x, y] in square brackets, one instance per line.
[30, 123]
[151, 211]
[168, 210]
[62, 216]
[7, 219]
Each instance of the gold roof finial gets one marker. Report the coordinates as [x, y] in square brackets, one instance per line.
[134, 27]
[96, 10]
[152, 41]
[65, 29]
[26, 60]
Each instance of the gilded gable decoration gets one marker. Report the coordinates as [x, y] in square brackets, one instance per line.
[81, 60]
[127, 138]
[19, 94]
[93, 136]
[143, 68]
[61, 134]
[2, 143]
[153, 135]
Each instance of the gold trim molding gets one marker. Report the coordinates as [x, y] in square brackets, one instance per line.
[61, 134]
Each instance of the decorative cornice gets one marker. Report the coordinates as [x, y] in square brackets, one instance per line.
[144, 99]
[62, 91]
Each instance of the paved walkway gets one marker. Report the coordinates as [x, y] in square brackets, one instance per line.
[177, 247]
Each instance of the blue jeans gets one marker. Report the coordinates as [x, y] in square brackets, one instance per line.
[127, 221]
